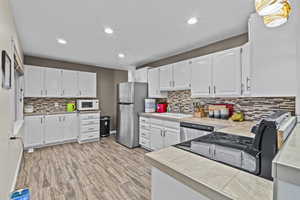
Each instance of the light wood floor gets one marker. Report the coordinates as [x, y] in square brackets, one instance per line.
[102, 170]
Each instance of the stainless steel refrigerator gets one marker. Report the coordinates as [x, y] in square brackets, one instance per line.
[131, 96]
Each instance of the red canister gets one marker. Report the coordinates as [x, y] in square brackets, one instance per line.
[161, 107]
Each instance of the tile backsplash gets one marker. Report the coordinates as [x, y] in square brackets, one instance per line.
[253, 107]
[48, 105]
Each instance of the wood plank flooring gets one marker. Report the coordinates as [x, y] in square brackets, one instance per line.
[102, 170]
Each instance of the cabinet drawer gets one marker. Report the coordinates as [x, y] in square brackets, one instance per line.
[144, 120]
[155, 121]
[89, 116]
[89, 136]
[171, 125]
[86, 129]
[144, 134]
[144, 126]
[89, 122]
[145, 142]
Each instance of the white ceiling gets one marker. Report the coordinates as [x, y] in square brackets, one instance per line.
[145, 30]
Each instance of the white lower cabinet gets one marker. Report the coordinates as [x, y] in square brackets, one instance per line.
[50, 129]
[157, 134]
[34, 131]
[89, 127]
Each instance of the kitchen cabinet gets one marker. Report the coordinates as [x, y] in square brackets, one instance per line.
[154, 84]
[166, 78]
[246, 70]
[50, 129]
[52, 82]
[157, 139]
[34, 129]
[34, 81]
[171, 137]
[201, 76]
[69, 83]
[53, 129]
[141, 75]
[227, 73]
[181, 76]
[87, 83]
[70, 127]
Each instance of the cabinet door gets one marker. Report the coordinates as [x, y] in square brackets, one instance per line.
[34, 132]
[141, 75]
[182, 76]
[156, 139]
[227, 73]
[54, 129]
[87, 84]
[34, 81]
[52, 82]
[246, 70]
[153, 84]
[201, 76]
[171, 137]
[69, 83]
[70, 128]
[166, 78]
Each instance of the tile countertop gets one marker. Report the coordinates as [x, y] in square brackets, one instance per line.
[286, 164]
[208, 177]
[212, 179]
[59, 113]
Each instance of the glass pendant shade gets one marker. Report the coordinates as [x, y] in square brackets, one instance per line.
[268, 7]
[279, 18]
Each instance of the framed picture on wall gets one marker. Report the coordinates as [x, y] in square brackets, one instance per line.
[6, 70]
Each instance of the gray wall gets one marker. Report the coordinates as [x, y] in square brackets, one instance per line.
[107, 79]
[215, 47]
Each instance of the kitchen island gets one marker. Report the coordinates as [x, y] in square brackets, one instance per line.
[178, 174]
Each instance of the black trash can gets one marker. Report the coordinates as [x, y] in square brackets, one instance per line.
[104, 126]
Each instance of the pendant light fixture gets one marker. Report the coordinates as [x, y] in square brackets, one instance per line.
[275, 12]
[279, 18]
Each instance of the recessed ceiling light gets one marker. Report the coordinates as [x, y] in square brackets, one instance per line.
[121, 55]
[192, 21]
[108, 30]
[61, 41]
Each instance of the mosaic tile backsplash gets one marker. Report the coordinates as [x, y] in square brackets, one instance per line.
[253, 107]
[48, 105]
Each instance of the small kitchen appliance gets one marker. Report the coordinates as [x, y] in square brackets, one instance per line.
[150, 105]
[104, 126]
[71, 107]
[162, 107]
[87, 104]
[253, 155]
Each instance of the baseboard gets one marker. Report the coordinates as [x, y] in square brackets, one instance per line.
[113, 132]
[13, 188]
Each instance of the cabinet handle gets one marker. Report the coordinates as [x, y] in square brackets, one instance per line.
[208, 89]
[248, 84]
[59, 119]
[41, 120]
[41, 92]
[46, 92]
[215, 89]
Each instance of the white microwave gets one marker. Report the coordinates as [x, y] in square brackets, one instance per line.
[88, 104]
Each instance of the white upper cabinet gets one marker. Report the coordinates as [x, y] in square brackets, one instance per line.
[153, 84]
[181, 76]
[246, 70]
[69, 83]
[201, 76]
[166, 78]
[141, 75]
[52, 82]
[87, 83]
[34, 81]
[227, 73]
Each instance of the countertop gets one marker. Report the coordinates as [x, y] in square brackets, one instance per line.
[208, 177]
[286, 164]
[59, 113]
